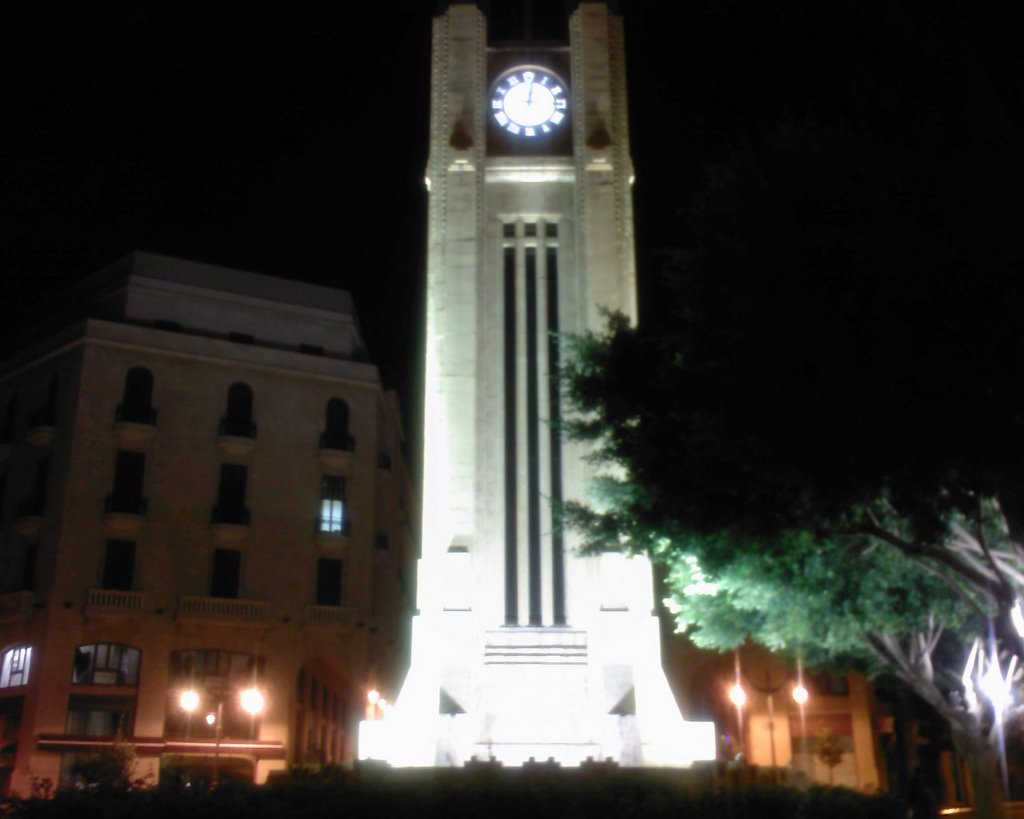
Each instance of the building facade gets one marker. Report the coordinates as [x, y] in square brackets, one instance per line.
[521, 647]
[202, 492]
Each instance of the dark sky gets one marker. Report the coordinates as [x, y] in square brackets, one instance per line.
[291, 139]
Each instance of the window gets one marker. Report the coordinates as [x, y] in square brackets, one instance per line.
[29, 561]
[106, 664]
[332, 505]
[14, 667]
[336, 434]
[530, 229]
[328, 582]
[237, 420]
[551, 230]
[230, 506]
[508, 230]
[227, 565]
[126, 497]
[46, 415]
[137, 404]
[35, 504]
[100, 716]
[119, 565]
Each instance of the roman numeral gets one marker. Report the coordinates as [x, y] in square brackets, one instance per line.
[560, 104]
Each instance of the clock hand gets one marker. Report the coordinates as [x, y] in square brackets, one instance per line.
[529, 94]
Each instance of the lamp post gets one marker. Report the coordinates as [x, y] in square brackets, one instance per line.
[252, 701]
[215, 720]
[739, 698]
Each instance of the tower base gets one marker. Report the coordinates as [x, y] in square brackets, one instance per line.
[537, 693]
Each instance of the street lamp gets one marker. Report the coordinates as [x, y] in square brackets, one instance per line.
[189, 702]
[252, 701]
[799, 693]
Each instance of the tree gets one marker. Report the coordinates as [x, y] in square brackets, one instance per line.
[817, 421]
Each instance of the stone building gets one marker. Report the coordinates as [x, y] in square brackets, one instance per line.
[202, 492]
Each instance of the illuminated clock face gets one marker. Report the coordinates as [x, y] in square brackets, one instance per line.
[529, 101]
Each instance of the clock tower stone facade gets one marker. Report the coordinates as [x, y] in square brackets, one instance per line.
[522, 648]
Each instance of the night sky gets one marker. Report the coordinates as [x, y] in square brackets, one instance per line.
[291, 139]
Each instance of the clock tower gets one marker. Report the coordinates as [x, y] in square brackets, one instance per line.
[521, 647]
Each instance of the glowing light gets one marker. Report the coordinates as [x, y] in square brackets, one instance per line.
[372, 696]
[211, 718]
[738, 696]
[997, 687]
[253, 701]
[800, 695]
[1017, 616]
[189, 700]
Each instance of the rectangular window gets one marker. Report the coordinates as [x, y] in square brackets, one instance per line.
[231, 494]
[28, 567]
[227, 564]
[35, 504]
[332, 505]
[100, 716]
[328, 582]
[106, 664]
[119, 565]
[126, 496]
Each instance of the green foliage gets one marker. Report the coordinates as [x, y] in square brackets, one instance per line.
[816, 597]
[109, 769]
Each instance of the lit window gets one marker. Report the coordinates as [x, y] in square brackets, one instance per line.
[106, 664]
[14, 670]
[332, 505]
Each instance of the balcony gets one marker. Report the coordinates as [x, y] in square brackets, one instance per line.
[114, 601]
[229, 524]
[16, 605]
[330, 617]
[336, 451]
[28, 516]
[134, 426]
[236, 438]
[228, 610]
[123, 517]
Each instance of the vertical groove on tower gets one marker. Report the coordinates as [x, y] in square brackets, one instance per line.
[555, 412]
[532, 439]
[511, 528]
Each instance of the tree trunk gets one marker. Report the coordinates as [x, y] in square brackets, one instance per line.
[983, 768]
